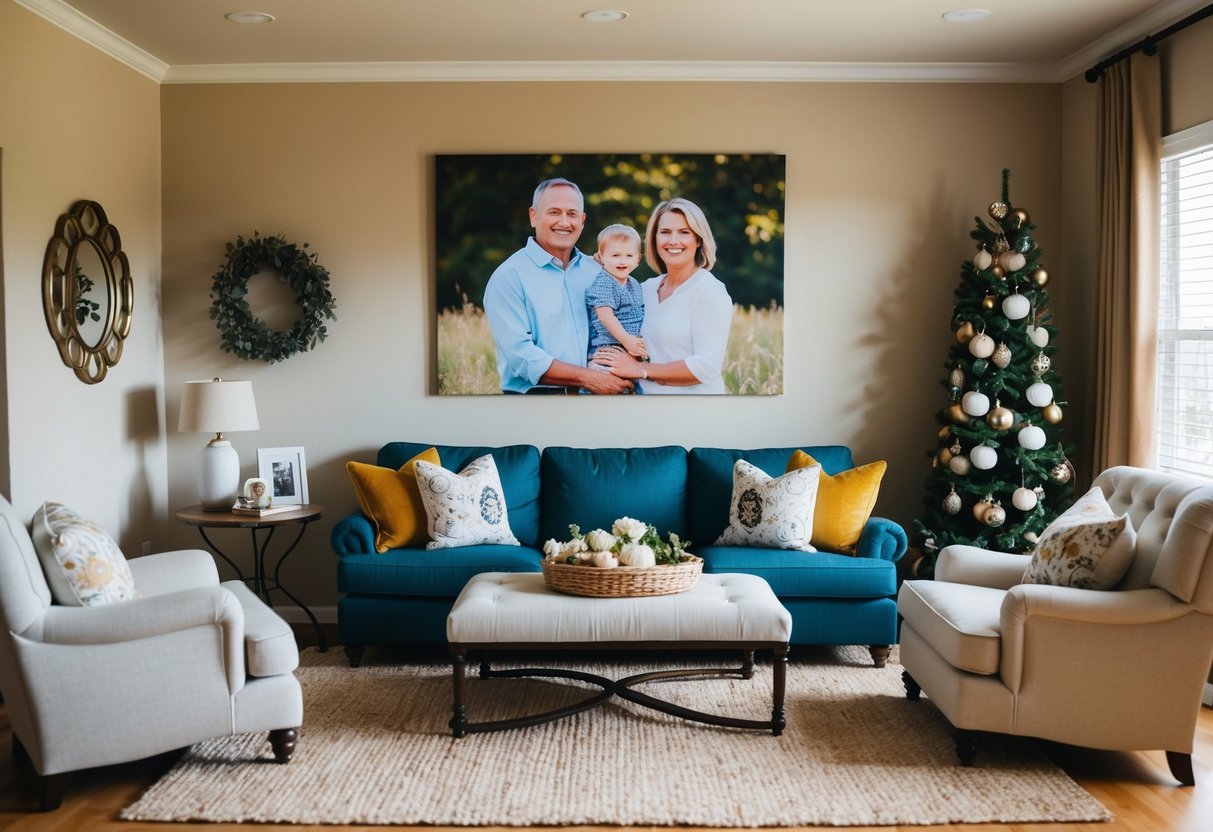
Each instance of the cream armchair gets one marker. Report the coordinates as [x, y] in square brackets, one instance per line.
[1122, 669]
[91, 686]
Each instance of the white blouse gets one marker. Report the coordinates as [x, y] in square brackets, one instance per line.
[691, 325]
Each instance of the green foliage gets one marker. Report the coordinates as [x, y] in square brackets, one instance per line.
[85, 309]
[481, 212]
[978, 302]
[245, 334]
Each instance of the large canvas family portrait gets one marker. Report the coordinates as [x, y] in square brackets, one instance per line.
[660, 273]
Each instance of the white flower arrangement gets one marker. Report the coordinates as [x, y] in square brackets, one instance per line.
[630, 542]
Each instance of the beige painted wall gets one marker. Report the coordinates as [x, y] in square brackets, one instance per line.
[75, 124]
[883, 185]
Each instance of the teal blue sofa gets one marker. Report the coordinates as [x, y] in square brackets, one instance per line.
[402, 596]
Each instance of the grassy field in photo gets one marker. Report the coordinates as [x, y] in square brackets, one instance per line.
[753, 363]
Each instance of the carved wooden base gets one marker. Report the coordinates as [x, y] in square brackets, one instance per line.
[1181, 767]
[353, 654]
[880, 654]
[282, 741]
[913, 691]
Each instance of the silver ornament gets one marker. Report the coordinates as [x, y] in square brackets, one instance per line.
[1041, 364]
[1002, 355]
[1061, 472]
[957, 377]
[951, 503]
[995, 516]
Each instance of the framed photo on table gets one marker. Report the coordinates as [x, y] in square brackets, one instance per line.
[286, 472]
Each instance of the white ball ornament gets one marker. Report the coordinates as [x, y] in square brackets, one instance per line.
[1016, 307]
[1039, 336]
[1011, 261]
[981, 345]
[959, 464]
[1024, 499]
[982, 260]
[1031, 437]
[975, 403]
[983, 457]
[1040, 394]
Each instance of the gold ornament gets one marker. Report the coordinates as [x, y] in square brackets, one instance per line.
[1061, 472]
[1000, 418]
[998, 272]
[960, 465]
[944, 433]
[981, 507]
[999, 246]
[995, 516]
[951, 503]
[999, 210]
[1041, 364]
[1040, 277]
[988, 302]
[1052, 413]
[956, 377]
[965, 332]
[1020, 218]
[956, 449]
[957, 415]
[944, 456]
[1002, 355]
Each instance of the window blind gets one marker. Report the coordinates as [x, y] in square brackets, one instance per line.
[1185, 308]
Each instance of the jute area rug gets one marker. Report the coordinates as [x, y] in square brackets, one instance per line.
[375, 749]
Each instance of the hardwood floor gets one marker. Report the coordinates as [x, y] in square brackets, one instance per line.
[1135, 786]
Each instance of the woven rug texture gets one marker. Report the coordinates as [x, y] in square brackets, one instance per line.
[375, 749]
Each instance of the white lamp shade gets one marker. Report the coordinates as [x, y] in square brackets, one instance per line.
[217, 406]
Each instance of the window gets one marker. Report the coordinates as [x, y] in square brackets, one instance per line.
[1185, 307]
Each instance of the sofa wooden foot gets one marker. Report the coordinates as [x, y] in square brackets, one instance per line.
[282, 741]
[913, 690]
[1181, 767]
[51, 789]
[880, 654]
[353, 654]
[966, 746]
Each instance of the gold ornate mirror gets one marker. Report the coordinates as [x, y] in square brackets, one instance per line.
[87, 292]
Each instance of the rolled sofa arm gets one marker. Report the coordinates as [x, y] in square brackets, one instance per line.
[961, 564]
[139, 618]
[882, 539]
[354, 534]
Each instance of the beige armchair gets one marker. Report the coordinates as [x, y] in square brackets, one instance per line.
[92, 686]
[1121, 669]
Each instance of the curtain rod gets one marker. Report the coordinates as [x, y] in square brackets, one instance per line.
[1148, 44]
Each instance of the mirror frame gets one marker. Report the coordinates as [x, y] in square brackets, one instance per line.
[86, 224]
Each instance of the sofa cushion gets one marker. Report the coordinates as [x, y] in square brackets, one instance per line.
[960, 621]
[593, 487]
[771, 512]
[517, 465]
[844, 503]
[83, 565]
[465, 508]
[389, 497]
[1086, 546]
[420, 572]
[795, 574]
[710, 480]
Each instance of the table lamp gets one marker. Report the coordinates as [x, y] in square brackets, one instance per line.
[216, 406]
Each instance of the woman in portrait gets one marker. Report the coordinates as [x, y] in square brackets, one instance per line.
[687, 311]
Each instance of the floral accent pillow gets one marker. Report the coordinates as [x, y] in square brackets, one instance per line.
[464, 509]
[772, 512]
[1086, 546]
[83, 565]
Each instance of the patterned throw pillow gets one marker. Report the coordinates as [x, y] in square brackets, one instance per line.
[1086, 546]
[771, 512]
[464, 509]
[83, 565]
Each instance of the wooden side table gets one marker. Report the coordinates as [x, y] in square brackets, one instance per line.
[261, 582]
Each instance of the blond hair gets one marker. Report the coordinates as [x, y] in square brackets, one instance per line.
[705, 254]
[618, 231]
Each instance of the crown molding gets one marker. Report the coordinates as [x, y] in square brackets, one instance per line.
[549, 71]
[97, 36]
[1157, 18]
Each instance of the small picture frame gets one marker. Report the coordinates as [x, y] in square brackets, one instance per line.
[286, 472]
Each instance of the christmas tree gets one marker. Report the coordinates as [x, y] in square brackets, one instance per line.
[999, 473]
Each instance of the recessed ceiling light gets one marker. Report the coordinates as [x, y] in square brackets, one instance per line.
[249, 17]
[604, 15]
[966, 15]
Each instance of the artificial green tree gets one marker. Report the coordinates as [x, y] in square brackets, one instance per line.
[999, 472]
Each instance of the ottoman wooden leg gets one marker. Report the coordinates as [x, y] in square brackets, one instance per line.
[778, 719]
[459, 715]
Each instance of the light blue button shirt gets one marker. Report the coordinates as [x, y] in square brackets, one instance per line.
[536, 310]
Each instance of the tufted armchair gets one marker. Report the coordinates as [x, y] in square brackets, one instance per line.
[1121, 669]
[91, 686]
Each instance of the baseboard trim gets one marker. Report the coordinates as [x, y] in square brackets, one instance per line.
[1207, 699]
[295, 615]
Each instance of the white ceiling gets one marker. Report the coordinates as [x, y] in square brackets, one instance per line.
[182, 41]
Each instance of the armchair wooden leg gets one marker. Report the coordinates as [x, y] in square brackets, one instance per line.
[913, 691]
[880, 654]
[51, 789]
[282, 741]
[20, 755]
[353, 654]
[966, 746]
[1181, 767]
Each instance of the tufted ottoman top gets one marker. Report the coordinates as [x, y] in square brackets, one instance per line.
[514, 607]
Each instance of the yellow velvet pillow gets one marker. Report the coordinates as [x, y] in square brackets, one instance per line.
[393, 501]
[844, 503]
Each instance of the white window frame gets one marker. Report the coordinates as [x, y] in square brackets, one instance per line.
[1179, 448]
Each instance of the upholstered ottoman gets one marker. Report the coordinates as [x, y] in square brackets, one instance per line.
[516, 611]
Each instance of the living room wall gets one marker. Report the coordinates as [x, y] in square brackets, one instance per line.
[883, 182]
[76, 124]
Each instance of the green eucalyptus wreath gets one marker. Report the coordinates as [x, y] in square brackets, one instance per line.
[247, 335]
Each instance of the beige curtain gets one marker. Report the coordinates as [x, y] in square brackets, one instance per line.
[1130, 134]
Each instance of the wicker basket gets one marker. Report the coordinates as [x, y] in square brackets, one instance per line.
[623, 581]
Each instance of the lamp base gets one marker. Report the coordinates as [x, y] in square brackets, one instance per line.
[218, 475]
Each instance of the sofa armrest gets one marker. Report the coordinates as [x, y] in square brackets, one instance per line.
[173, 571]
[354, 534]
[961, 564]
[882, 539]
